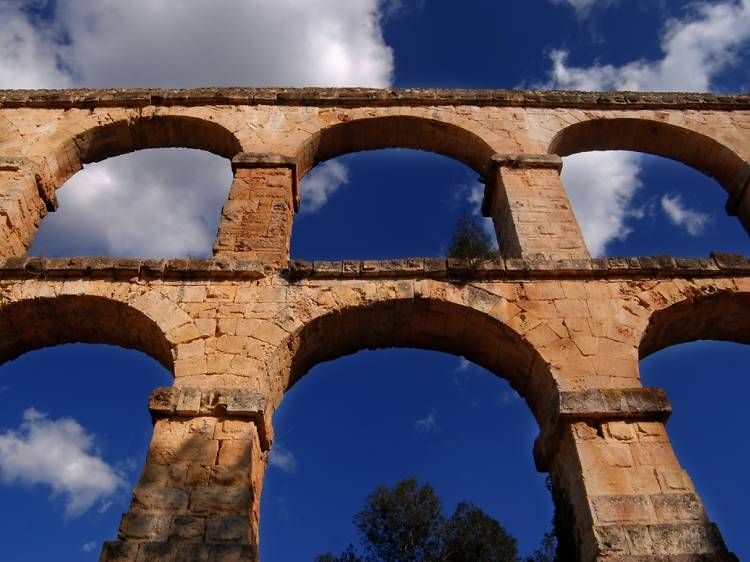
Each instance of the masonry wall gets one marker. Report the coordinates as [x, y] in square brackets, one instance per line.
[239, 330]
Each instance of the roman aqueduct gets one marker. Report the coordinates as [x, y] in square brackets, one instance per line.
[567, 331]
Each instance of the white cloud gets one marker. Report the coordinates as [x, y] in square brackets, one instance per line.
[695, 51]
[320, 183]
[282, 458]
[27, 52]
[60, 454]
[427, 423]
[601, 186]
[90, 546]
[186, 43]
[155, 203]
[107, 43]
[694, 222]
[582, 7]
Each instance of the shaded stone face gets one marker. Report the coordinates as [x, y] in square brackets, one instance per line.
[237, 331]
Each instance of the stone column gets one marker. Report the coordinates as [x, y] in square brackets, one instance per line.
[256, 221]
[620, 492]
[532, 214]
[738, 204]
[198, 497]
[25, 199]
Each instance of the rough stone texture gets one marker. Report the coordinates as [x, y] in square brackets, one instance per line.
[239, 330]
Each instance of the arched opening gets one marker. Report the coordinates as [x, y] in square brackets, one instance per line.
[387, 187]
[399, 131]
[74, 423]
[31, 324]
[377, 417]
[154, 203]
[337, 429]
[694, 350]
[150, 187]
[645, 197]
[653, 137]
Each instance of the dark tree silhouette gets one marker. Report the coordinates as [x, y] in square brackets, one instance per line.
[470, 240]
[406, 524]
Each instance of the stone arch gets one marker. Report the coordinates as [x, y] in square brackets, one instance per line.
[102, 141]
[717, 316]
[697, 150]
[432, 324]
[397, 131]
[31, 324]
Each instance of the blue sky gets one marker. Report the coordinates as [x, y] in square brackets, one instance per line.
[343, 430]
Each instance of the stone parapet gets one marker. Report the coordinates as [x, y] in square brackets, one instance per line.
[356, 97]
[717, 264]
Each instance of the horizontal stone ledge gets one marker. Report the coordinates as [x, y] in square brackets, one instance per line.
[234, 403]
[129, 268]
[262, 160]
[662, 542]
[228, 268]
[597, 406]
[368, 97]
[615, 403]
[665, 266]
[526, 161]
[132, 551]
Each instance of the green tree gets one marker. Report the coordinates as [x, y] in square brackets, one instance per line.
[470, 240]
[406, 524]
[473, 536]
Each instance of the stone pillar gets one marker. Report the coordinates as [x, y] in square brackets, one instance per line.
[532, 214]
[738, 204]
[256, 221]
[620, 493]
[25, 199]
[198, 497]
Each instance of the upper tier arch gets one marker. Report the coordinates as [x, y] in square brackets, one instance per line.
[653, 137]
[398, 131]
[101, 141]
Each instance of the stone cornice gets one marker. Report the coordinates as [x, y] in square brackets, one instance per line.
[717, 265]
[364, 97]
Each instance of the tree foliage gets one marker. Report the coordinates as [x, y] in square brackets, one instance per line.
[470, 240]
[406, 524]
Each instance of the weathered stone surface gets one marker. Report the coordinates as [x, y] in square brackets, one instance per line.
[238, 330]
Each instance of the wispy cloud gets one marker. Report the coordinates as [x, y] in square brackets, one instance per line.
[60, 454]
[282, 458]
[322, 182]
[427, 424]
[694, 222]
[584, 7]
[90, 546]
[694, 51]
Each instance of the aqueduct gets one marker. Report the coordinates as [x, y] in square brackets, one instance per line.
[238, 330]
